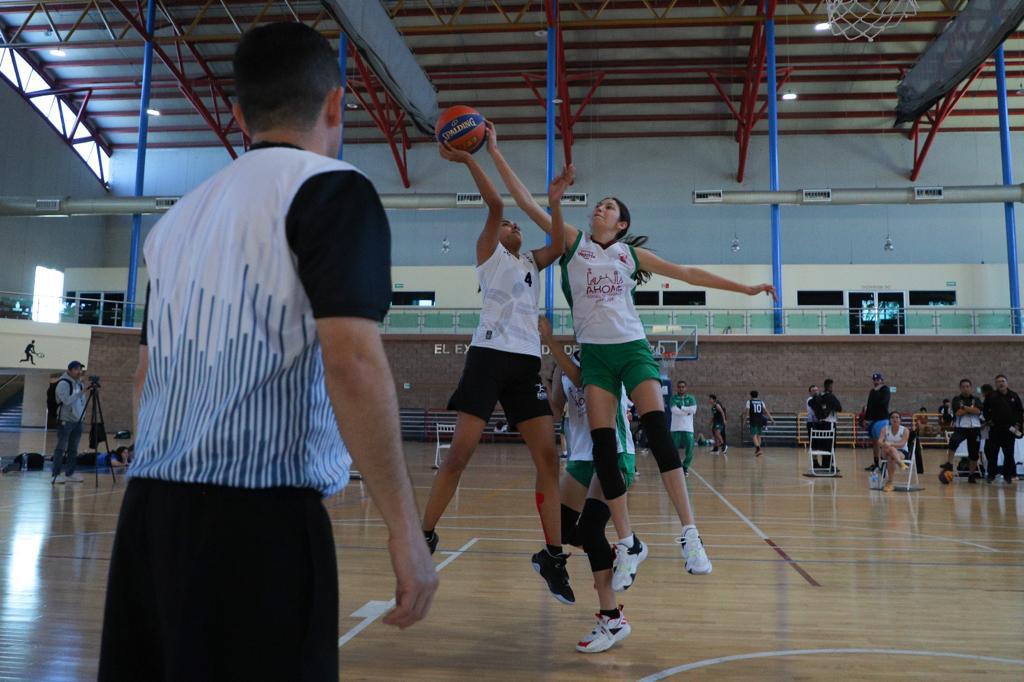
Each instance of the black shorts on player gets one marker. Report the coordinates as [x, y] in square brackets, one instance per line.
[491, 376]
[973, 438]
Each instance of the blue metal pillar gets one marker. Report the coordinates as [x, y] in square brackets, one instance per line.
[549, 143]
[773, 167]
[1008, 208]
[140, 165]
[343, 63]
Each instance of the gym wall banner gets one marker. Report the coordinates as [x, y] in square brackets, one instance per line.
[26, 345]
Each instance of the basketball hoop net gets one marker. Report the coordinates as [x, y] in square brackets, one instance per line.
[667, 360]
[855, 19]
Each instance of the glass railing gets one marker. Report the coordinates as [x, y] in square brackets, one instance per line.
[908, 321]
[69, 309]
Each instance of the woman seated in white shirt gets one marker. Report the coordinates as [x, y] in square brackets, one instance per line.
[894, 447]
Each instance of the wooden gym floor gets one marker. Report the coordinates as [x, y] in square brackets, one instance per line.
[812, 579]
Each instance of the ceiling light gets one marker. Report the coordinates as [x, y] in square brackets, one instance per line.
[888, 244]
[789, 95]
[735, 246]
[57, 52]
[153, 112]
[823, 26]
[351, 105]
[542, 33]
[557, 100]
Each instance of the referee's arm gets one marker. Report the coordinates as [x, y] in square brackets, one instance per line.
[339, 233]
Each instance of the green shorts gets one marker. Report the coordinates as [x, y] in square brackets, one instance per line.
[756, 429]
[583, 470]
[613, 365]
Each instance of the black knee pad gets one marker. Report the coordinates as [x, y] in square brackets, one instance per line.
[606, 463]
[593, 521]
[570, 534]
[659, 439]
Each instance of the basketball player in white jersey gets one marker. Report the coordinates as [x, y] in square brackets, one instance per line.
[599, 270]
[585, 513]
[502, 364]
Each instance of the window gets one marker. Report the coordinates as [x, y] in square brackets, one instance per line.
[934, 298]
[819, 298]
[645, 297]
[417, 298]
[676, 298]
[46, 296]
[22, 76]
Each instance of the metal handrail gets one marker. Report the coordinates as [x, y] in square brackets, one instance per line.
[658, 321]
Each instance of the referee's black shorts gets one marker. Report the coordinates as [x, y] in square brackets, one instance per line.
[495, 375]
[215, 583]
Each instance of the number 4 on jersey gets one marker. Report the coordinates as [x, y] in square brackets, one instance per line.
[529, 279]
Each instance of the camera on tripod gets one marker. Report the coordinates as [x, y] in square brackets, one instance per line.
[94, 381]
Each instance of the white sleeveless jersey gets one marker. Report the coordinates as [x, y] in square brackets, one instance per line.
[511, 289]
[894, 438]
[577, 430]
[597, 283]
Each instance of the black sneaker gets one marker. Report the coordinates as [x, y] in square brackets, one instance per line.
[973, 478]
[552, 569]
[873, 467]
[714, 451]
[431, 541]
[989, 479]
[946, 467]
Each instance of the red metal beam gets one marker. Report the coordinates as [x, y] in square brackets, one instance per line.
[185, 84]
[382, 108]
[942, 112]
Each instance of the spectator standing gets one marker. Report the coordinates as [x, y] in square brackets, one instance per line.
[876, 413]
[1004, 410]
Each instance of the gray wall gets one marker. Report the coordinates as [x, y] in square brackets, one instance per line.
[34, 161]
[655, 178]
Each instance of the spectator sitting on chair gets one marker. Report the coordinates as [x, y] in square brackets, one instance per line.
[71, 397]
[893, 440]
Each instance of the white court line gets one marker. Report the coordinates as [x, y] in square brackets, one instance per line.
[757, 531]
[813, 652]
[372, 610]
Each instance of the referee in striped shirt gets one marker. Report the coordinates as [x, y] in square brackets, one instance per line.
[261, 371]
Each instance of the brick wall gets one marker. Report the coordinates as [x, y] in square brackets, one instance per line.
[113, 356]
[924, 370]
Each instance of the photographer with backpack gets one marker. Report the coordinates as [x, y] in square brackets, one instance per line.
[66, 398]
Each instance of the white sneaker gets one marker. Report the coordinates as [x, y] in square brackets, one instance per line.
[607, 632]
[74, 478]
[692, 547]
[725, 449]
[60, 478]
[626, 564]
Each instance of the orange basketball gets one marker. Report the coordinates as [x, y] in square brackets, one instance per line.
[461, 127]
[946, 476]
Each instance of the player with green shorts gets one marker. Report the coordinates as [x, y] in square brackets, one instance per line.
[585, 513]
[600, 270]
[683, 407]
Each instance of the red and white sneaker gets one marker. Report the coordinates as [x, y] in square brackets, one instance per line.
[607, 633]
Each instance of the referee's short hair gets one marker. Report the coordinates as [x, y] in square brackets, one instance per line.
[283, 73]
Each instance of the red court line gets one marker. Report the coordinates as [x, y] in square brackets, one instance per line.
[796, 567]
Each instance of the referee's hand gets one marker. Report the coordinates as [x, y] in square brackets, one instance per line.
[416, 580]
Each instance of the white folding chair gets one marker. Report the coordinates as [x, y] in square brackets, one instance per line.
[814, 449]
[448, 429]
[908, 459]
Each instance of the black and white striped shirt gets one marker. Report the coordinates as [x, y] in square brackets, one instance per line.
[240, 268]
